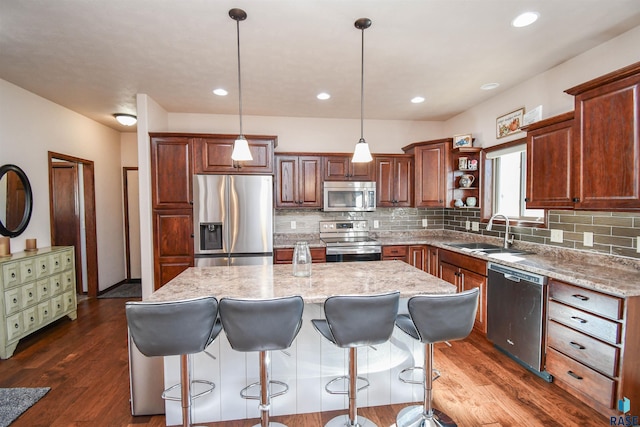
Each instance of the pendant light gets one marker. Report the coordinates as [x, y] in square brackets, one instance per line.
[240, 146]
[362, 153]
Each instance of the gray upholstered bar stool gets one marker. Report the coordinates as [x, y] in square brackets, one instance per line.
[263, 326]
[432, 319]
[354, 321]
[176, 328]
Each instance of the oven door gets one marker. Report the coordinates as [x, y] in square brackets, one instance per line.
[349, 254]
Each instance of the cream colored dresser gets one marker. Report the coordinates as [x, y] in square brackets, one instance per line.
[36, 288]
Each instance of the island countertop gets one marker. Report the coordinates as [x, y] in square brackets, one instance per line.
[272, 281]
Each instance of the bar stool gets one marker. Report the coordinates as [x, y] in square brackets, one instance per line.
[432, 319]
[176, 328]
[263, 326]
[351, 322]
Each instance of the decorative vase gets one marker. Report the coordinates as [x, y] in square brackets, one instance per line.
[466, 180]
[302, 260]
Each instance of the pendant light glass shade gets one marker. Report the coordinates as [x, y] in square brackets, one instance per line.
[361, 153]
[241, 146]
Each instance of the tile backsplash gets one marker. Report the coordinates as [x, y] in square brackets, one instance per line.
[614, 233]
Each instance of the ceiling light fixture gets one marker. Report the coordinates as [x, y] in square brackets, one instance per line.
[417, 99]
[361, 153]
[524, 19]
[240, 146]
[323, 96]
[220, 92]
[126, 119]
[489, 86]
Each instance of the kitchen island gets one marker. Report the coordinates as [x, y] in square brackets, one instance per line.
[311, 361]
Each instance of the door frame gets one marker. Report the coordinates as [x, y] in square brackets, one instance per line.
[89, 213]
[127, 239]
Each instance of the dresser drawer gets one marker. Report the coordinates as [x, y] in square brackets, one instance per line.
[11, 274]
[14, 327]
[589, 351]
[43, 289]
[582, 378]
[27, 270]
[29, 294]
[585, 299]
[30, 319]
[42, 267]
[12, 301]
[604, 329]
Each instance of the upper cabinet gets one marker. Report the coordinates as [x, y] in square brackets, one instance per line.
[170, 172]
[606, 145]
[431, 171]
[338, 167]
[298, 181]
[212, 154]
[394, 180]
[549, 163]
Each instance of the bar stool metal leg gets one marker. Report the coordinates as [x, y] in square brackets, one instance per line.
[185, 388]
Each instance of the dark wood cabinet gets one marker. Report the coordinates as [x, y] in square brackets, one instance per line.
[395, 252]
[550, 165]
[338, 167]
[298, 181]
[394, 180]
[172, 243]
[212, 154]
[466, 273]
[466, 161]
[432, 170]
[171, 175]
[606, 144]
[418, 257]
[285, 255]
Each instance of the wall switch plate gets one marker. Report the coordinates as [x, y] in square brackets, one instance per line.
[376, 223]
[424, 222]
[475, 226]
[556, 236]
[588, 238]
[293, 225]
[467, 225]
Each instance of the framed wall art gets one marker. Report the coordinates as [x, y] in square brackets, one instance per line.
[462, 140]
[509, 123]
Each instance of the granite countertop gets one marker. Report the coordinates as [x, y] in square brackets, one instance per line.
[610, 274]
[272, 281]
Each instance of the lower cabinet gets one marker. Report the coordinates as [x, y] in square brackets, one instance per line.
[395, 252]
[36, 289]
[172, 243]
[593, 350]
[285, 255]
[424, 257]
[466, 273]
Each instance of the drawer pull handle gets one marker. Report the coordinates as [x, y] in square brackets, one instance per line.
[576, 345]
[15, 300]
[579, 320]
[28, 270]
[574, 375]
[581, 297]
[13, 275]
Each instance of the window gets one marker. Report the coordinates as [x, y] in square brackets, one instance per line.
[509, 179]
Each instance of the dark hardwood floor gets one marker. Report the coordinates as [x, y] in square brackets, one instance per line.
[85, 364]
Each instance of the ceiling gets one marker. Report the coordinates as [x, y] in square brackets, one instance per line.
[93, 57]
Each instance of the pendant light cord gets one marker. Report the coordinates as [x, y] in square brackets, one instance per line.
[362, 89]
[239, 79]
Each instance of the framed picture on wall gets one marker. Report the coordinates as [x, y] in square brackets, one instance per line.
[462, 140]
[509, 123]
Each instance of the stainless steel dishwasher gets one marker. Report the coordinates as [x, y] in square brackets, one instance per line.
[516, 310]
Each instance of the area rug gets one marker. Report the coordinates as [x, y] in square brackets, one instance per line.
[14, 401]
[126, 290]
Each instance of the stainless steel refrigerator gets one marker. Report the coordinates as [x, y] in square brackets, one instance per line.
[233, 219]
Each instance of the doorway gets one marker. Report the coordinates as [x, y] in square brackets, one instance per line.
[73, 215]
[132, 223]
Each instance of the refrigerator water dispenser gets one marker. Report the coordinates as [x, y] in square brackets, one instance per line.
[210, 236]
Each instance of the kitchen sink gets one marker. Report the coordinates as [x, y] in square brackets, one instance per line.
[486, 248]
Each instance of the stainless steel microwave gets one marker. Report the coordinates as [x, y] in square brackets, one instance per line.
[346, 196]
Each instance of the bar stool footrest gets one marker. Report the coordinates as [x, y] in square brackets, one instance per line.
[416, 368]
[245, 395]
[344, 378]
[209, 388]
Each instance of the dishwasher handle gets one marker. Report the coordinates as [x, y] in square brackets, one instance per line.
[512, 278]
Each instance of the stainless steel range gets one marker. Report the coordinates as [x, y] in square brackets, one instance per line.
[349, 241]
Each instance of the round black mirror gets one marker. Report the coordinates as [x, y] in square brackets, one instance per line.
[16, 201]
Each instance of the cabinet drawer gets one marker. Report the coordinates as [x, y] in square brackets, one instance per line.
[589, 351]
[11, 274]
[69, 301]
[68, 280]
[27, 270]
[585, 299]
[43, 289]
[394, 251]
[464, 261]
[57, 305]
[604, 329]
[14, 327]
[55, 283]
[29, 294]
[44, 312]
[30, 318]
[42, 267]
[285, 255]
[12, 301]
[55, 263]
[583, 379]
[67, 259]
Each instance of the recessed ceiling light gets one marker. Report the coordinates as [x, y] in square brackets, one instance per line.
[126, 119]
[417, 99]
[489, 86]
[525, 19]
[323, 96]
[220, 92]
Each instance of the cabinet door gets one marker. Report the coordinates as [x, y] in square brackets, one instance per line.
[171, 172]
[309, 183]
[431, 175]
[385, 181]
[361, 171]
[287, 182]
[213, 155]
[549, 164]
[418, 257]
[172, 244]
[432, 260]
[394, 179]
[608, 146]
[468, 281]
[448, 273]
[339, 168]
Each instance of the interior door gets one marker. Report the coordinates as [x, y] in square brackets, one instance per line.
[132, 223]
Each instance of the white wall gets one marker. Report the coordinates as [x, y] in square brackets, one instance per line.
[29, 127]
[546, 89]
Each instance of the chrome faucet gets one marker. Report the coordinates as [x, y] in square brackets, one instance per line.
[508, 240]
